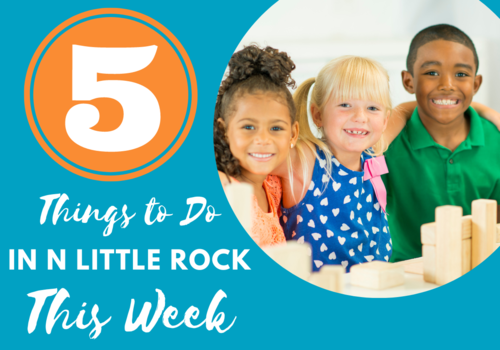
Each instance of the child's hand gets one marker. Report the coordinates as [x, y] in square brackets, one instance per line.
[487, 113]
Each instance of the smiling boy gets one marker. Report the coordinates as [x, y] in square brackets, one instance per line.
[447, 154]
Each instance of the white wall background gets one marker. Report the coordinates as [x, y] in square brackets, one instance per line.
[313, 32]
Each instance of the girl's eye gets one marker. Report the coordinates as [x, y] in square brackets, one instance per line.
[346, 105]
[461, 75]
[373, 108]
[249, 127]
[276, 128]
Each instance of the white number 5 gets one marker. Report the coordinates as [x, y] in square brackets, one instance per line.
[141, 111]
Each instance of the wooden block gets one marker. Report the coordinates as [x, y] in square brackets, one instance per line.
[377, 275]
[498, 233]
[415, 266]
[448, 243]
[330, 277]
[293, 256]
[428, 231]
[429, 255]
[484, 229]
[466, 255]
[239, 196]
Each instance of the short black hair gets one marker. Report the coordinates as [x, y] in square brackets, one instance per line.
[438, 32]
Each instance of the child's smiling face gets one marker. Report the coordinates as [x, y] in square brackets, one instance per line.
[351, 125]
[443, 80]
[260, 133]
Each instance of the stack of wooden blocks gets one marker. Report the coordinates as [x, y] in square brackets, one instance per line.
[454, 245]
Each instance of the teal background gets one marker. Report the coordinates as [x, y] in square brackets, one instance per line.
[273, 308]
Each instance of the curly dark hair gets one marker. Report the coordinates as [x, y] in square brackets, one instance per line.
[251, 71]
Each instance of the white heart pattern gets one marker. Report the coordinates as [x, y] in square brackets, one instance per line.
[309, 207]
[378, 253]
[384, 229]
[316, 236]
[318, 263]
[353, 180]
[300, 240]
[369, 215]
[347, 199]
[336, 186]
[324, 202]
[351, 252]
[332, 256]
[376, 206]
[360, 221]
[366, 233]
[359, 206]
[362, 190]
[375, 230]
[323, 247]
[324, 178]
[323, 218]
[342, 172]
[386, 258]
[311, 186]
[311, 223]
[369, 198]
[341, 240]
[369, 258]
[354, 235]
[285, 219]
[344, 227]
[352, 215]
[335, 212]
[345, 263]
[360, 247]
[356, 193]
[317, 192]
[388, 247]
[299, 219]
[322, 163]
[329, 233]
[335, 161]
[372, 243]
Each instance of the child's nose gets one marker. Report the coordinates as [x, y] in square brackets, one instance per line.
[446, 82]
[263, 137]
[360, 115]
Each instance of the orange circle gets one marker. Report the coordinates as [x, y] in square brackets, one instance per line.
[48, 93]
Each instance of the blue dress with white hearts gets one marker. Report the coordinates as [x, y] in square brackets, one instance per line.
[340, 218]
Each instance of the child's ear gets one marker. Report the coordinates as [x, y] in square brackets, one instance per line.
[478, 80]
[295, 133]
[316, 115]
[407, 81]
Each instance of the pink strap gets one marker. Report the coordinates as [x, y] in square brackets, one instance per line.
[374, 167]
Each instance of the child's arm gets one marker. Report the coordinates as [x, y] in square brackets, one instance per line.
[400, 116]
[487, 113]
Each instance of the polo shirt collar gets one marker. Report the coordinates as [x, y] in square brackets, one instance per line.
[419, 137]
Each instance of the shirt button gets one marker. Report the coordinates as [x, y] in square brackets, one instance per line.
[451, 161]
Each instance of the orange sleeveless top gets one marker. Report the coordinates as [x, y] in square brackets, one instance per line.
[266, 228]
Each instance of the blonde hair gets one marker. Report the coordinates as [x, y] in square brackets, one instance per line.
[346, 77]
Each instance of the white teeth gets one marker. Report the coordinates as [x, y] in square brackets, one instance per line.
[445, 102]
[259, 155]
[356, 132]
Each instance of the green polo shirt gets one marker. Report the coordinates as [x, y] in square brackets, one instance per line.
[424, 175]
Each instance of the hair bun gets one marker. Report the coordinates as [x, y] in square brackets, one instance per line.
[253, 60]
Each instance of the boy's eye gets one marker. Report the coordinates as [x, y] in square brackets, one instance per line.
[432, 73]
[249, 127]
[461, 75]
[276, 128]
